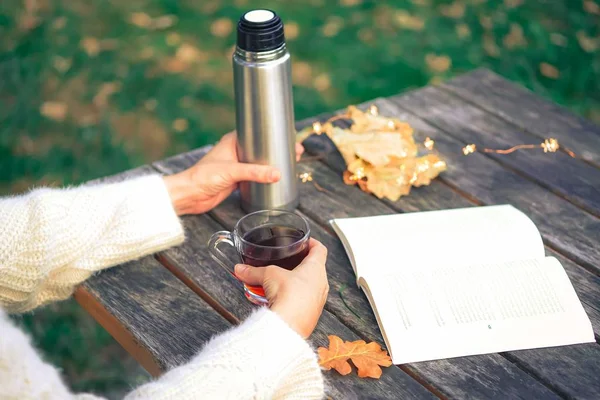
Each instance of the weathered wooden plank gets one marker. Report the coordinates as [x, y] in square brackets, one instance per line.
[563, 225]
[155, 312]
[587, 289]
[152, 314]
[487, 366]
[474, 179]
[442, 197]
[532, 113]
[587, 286]
[353, 309]
[569, 177]
[563, 368]
[125, 304]
[483, 371]
[579, 356]
[193, 264]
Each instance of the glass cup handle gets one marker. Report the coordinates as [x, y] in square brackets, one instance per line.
[213, 248]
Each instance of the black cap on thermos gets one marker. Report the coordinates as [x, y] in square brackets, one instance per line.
[260, 30]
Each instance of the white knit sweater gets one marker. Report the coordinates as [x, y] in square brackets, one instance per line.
[51, 240]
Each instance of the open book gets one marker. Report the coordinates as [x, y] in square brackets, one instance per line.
[461, 282]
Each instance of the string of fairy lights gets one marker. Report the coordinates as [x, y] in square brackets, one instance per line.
[549, 145]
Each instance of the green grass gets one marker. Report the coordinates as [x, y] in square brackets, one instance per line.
[89, 89]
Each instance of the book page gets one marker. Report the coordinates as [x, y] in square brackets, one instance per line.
[447, 237]
[431, 313]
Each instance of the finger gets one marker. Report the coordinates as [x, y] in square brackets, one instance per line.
[250, 275]
[299, 151]
[240, 172]
[317, 253]
[222, 146]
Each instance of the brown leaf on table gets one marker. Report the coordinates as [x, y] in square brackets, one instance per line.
[349, 178]
[363, 122]
[427, 168]
[396, 178]
[373, 147]
[367, 357]
[389, 182]
[336, 356]
[380, 153]
[356, 174]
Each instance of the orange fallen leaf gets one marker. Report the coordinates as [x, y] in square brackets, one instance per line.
[438, 63]
[408, 21]
[591, 7]
[163, 22]
[332, 26]
[549, 70]
[221, 27]
[587, 43]
[54, 110]
[106, 90]
[301, 73]
[291, 30]
[454, 10]
[140, 19]
[463, 31]
[322, 82]
[367, 357]
[374, 147]
[91, 45]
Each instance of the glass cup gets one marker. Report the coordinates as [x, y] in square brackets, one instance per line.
[262, 238]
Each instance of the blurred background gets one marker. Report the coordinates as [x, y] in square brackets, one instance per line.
[91, 88]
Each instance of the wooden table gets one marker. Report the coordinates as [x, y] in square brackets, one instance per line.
[163, 308]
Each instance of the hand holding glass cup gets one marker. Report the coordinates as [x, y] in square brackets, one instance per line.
[263, 238]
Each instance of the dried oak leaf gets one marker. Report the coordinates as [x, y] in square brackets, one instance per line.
[367, 357]
[374, 147]
[365, 122]
[428, 167]
[390, 182]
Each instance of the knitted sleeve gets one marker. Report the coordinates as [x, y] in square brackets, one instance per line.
[263, 358]
[53, 239]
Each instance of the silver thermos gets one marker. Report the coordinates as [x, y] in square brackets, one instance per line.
[264, 109]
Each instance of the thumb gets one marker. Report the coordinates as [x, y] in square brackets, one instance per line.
[252, 276]
[240, 172]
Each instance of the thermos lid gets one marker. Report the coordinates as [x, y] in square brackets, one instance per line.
[260, 30]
